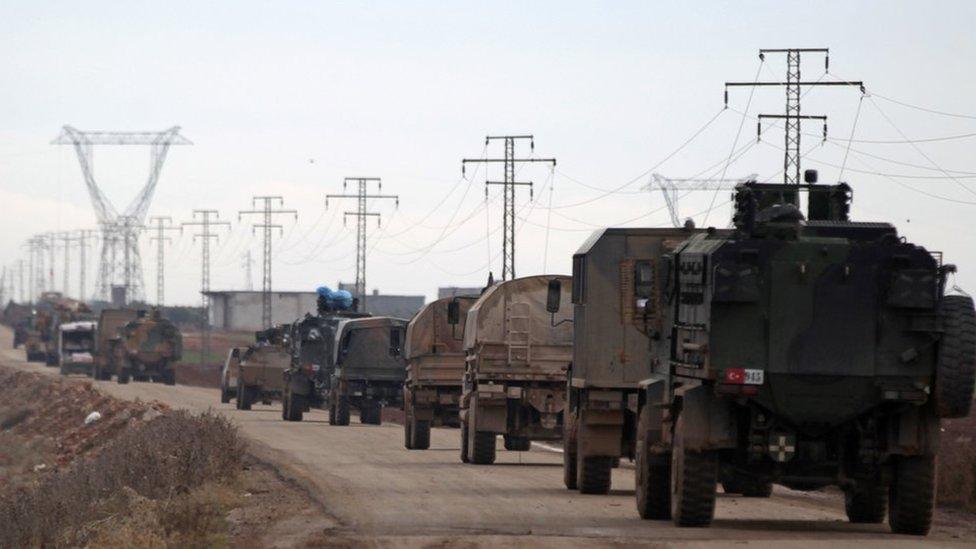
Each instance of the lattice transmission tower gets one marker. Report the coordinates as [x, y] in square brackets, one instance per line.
[121, 263]
[206, 220]
[673, 188]
[267, 210]
[361, 214]
[508, 188]
[161, 225]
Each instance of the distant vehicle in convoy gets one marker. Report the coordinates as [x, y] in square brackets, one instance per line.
[76, 345]
[311, 344]
[517, 352]
[261, 368]
[369, 368]
[148, 348]
[434, 352]
[803, 350]
[229, 373]
[618, 293]
[107, 341]
[33, 338]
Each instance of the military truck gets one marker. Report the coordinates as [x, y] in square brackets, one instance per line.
[107, 340]
[435, 366]
[76, 345]
[228, 374]
[617, 295]
[803, 350]
[517, 355]
[311, 344]
[32, 338]
[369, 368]
[261, 368]
[148, 347]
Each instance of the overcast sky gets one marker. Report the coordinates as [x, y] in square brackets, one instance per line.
[288, 98]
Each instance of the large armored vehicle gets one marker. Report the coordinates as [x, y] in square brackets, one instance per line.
[616, 284]
[76, 347]
[147, 349]
[261, 368]
[517, 356]
[228, 374]
[311, 343]
[806, 351]
[35, 336]
[107, 340]
[435, 365]
[369, 368]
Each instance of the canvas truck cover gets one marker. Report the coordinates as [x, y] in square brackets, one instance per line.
[615, 273]
[434, 348]
[508, 329]
[365, 349]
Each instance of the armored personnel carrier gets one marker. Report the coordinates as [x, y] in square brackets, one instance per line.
[261, 367]
[311, 345]
[518, 349]
[369, 368]
[147, 349]
[107, 340]
[803, 350]
[435, 366]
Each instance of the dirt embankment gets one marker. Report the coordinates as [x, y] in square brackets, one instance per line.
[957, 463]
[138, 475]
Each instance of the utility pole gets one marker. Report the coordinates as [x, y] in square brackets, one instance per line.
[508, 184]
[268, 211]
[792, 115]
[162, 225]
[361, 214]
[206, 220]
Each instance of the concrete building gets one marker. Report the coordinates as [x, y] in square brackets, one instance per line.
[240, 311]
[455, 291]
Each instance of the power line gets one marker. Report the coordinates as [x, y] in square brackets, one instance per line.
[268, 211]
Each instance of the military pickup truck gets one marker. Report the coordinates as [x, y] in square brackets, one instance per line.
[76, 347]
[806, 350]
[517, 355]
[369, 368]
[435, 366]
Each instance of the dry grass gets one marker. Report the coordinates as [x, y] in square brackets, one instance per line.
[146, 487]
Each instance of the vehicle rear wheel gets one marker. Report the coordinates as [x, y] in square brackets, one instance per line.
[652, 474]
[420, 432]
[482, 444]
[123, 376]
[169, 376]
[244, 397]
[693, 482]
[955, 375]
[594, 474]
[340, 409]
[517, 444]
[912, 495]
[407, 435]
[370, 414]
[866, 503]
[294, 407]
[570, 430]
[224, 394]
[464, 441]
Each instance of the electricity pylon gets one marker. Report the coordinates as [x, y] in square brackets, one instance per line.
[206, 220]
[163, 224]
[268, 211]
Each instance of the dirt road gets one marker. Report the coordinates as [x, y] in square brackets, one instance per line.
[375, 490]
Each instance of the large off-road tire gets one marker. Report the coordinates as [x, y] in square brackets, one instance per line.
[370, 414]
[464, 441]
[245, 396]
[594, 474]
[224, 394]
[517, 444]
[168, 376]
[293, 406]
[693, 482]
[866, 503]
[955, 375]
[407, 435]
[570, 431]
[420, 433]
[123, 376]
[911, 496]
[481, 444]
[339, 411]
[652, 474]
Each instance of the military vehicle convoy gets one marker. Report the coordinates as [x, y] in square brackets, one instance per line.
[803, 350]
[76, 345]
[517, 354]
[435, 365]
[261, 367]
[311, 343]
[369, 368]
[136, 344]
[617, 300]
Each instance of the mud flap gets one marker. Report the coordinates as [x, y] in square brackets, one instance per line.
[490, 412]
[915, 433]
[422, 404]
[601, 424]
[708, 421]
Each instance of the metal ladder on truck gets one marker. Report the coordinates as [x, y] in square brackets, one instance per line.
[517, 333]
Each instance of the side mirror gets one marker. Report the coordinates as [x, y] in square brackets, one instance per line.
[395, 341]
[454, 313]
[554, 295]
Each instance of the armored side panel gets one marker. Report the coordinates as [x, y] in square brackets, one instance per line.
[263, 366]
[371, 349]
